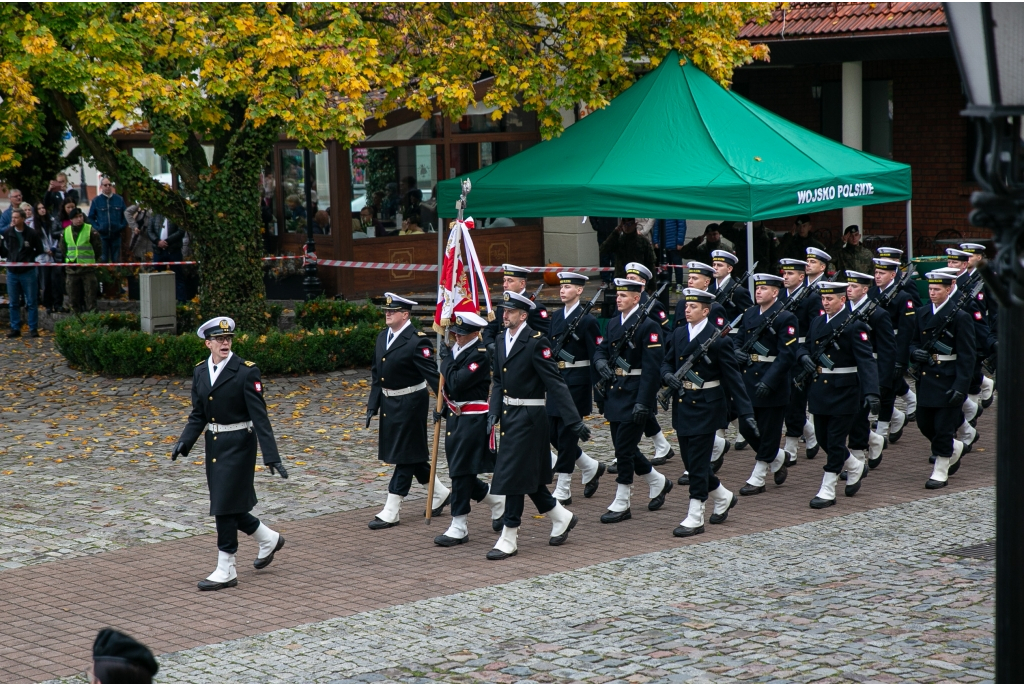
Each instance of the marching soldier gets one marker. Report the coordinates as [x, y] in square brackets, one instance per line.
[514, 280]
[227, 401]
[836, 394]
[794, 278]
[985, 338]
[580, 381]
[630, 397]
[864, 443]
[768, 377]
[467, 379]
[524, 370]
[990, 310]
[701, 407]
[402, 373]
[738, 301]
[891, 421]
[901, 387]
[944, 379]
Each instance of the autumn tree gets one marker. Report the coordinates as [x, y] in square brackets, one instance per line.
[235, 77]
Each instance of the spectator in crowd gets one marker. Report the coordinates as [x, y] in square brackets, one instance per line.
[626, 245]
[106, 216]
[850, 254]
[670, 236]
[59, 191]
[700, 248]
[412, 196]
[604, 226]
[795, 244]
[30, 216]
[138, 217]
[322, 223]
[118, 658]
[293, 208]
[167, 238]
[22, 244]
[765, 245]
[80, 244]
[366, 224]
[428, 212]
[645, 227]
[393, 201]
[15, 197]
[411, 225]
[64, 215]
[51, 278]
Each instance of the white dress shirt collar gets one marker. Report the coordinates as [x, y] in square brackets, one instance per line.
[626, 315]
[510, 338]
[569, 310]
[215, 370]
[393, 335]
[696, 328]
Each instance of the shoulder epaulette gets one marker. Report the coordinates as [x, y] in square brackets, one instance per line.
[201, 363]
[537, 334]
[481, 349]
[421, 333]
[250, 363]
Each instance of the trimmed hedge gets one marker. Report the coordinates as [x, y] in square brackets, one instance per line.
[114, 345]
[324, 313]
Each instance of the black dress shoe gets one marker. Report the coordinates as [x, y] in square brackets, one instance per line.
[659, 461]
[911, 418]
[658, 501]
[851, 490]
[33, 334]
[780, 475]
[720, 518]
[895, 437]
[931, 459]
[935, 484]
[791, 459]
[265, 562]
[440, 509]
[988, 403]
[616, 516]
[684, 532]
[874, 463]
[445, 541]
[749, 489]
[717, 463]
[378, 524]
[613, 467]
[684, 479]
[818, 503]
[497, 524]
[207, 585]
[556, 540]
[953, 468]
[842, 475]
[15, 334]
[741, 444]
[565, 502]
[590, 487]
[496, 554]
[812, 452]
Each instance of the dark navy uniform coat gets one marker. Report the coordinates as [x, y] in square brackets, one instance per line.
[834, 394]
[883, 342]
[938, 377]
[237, 397]
[467, 378]
[580, 380]
[624, 392]
[658, 313]
[902, 312]
[737, 302]
[781, 342]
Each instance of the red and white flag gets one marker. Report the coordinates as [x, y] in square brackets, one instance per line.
[462, 278]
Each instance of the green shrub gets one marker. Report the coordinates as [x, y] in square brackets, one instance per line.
[113, 345]
[327, 314]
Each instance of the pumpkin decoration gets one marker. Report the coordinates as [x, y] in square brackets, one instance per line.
[551, 277]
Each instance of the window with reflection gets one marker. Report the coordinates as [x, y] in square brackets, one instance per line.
[294, 211]
[480, 119]
[394, 188]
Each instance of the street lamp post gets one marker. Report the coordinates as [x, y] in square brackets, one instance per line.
[311, 283]
[988, 39]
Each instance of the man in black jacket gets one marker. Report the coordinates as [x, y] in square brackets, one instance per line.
[167, 238]
[227, 401]
[22, 244]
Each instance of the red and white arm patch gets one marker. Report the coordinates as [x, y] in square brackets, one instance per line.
[546, 352]
[259, 386]
[981, 295]
[599, 339]
[720, 322]
[473, 366]
[425, 351]
[977, 316]
[864, 336]
[654, 337]
[543, 313]
[790, 330]
[910, 304]
[661, 314]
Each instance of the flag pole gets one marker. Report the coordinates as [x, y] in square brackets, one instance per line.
[460, 206]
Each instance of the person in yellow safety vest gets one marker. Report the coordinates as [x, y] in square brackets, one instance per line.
[80, 244]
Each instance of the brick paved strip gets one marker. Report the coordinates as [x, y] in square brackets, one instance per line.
[334, 566]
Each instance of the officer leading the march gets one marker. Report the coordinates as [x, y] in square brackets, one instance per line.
[401, 377]
[513, 279]
[524, 371]
[836, 394]
[227, 401]
[573, 358]
[467, 379]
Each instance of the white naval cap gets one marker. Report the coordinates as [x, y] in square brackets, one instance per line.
[767, 279]
[468, 322]
[511, 300]
[820, 255]
[571, 278]
[515, 271]
[217, 326]
[724, 256]
[859, 277]
[700, 268]
[396, 303]
[638, 269]
[973, 248]
[959, 255]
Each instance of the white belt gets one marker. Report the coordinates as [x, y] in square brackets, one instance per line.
[761, 358]
[422, 385]
[687, 385]
[874, 355]
[733, 331]
[944, 357]
[517, 402]
[838, 369]
[573, 365]
[801, 340]
[623, 372]
[227, 427]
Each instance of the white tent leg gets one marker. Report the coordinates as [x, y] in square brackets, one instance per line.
[750, 256]
[910, 235]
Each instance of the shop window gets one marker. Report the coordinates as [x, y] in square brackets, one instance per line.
[480, 119]
[158, 165]
[293, 192]
[393, 190]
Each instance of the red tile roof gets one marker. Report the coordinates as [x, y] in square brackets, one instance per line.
[801, 20]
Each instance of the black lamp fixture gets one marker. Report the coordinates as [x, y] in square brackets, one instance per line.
[988, 39]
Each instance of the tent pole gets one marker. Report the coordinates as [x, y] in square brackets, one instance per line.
[750, 256]
[910, 235]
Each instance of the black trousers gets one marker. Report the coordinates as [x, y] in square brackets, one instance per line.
[465, 488]
[228, 526]
[401, 479]
[769, 424]
[860, 430]
[831, 432]
[939, 425]
[566, 444]
[514, 505]
[696, 453]
[625, 438]
[652, 427]
[796, 413]
[901, 386]
[888, 401]
[979, 375]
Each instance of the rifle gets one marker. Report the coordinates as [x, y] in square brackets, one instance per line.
[724, 296]
[686, 370]
[570, 332]
[932, 344]
[536, 292]
[601, 389]
[752, 344]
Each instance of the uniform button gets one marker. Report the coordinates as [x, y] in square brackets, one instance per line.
[502, 433]
[505, 412]
[504, 370]
[215, 437]
[382, 377]
[383, 359]
[826, 382]
[449, 433]
[213, 461]
[213, 420]
[383, 414]
[211, 397]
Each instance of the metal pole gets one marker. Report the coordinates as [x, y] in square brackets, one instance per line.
[311, 283]
[750, 254]
[910, 234]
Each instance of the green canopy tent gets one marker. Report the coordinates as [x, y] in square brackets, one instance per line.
[678, 145]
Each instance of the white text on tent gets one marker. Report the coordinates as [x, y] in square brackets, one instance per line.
[831, 192]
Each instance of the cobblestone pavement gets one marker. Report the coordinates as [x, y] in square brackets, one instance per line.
[863, 597]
